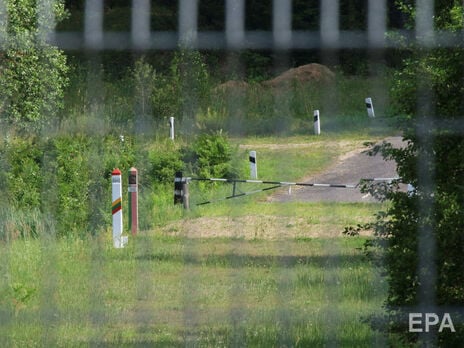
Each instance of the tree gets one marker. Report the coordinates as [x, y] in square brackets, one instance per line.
[422, 233]
[32, 72]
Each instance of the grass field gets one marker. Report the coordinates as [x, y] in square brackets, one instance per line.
[255, 274]
[170, 291]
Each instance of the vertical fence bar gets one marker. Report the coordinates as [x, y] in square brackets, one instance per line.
[329, 23]
[140, 24]
[425, 124]
[282, 24]
[235, 23]
[93, 24]
[46, 21]
[376, 23]
[3, 23]
[188, 23]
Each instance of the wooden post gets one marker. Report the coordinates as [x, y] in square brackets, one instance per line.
[133, 201]
[185, 194]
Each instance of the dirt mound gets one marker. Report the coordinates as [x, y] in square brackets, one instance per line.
[303, 74]
[232, 86]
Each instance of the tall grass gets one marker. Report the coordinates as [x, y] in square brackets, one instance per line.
[244, 293]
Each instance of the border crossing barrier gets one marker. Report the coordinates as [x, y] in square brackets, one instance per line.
[181, 192]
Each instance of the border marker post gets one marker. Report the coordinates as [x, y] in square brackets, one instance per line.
[253, 165]
[178, 188]
[171, 128]
[133, 201]
[370, 107]
[116, 209]
[317, 123]
[181, 191]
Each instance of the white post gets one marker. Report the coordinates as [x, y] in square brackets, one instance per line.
[411, 190]
[171, 128]
[317, 123]
[116, 208]
[253, 166]
[370, 107]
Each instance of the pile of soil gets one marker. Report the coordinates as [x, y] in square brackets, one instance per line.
[309, 73]
[303, 74]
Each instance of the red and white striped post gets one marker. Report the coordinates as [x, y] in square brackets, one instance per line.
[116, 208]
[133, 201]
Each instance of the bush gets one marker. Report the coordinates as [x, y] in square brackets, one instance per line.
[164, 163]
[33, 73]
[66, 180]
[211, 156]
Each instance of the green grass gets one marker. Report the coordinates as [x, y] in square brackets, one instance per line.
[166, 291]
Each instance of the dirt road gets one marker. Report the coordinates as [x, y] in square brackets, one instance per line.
[349, 169]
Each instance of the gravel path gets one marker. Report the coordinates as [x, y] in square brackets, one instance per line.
[349, 169]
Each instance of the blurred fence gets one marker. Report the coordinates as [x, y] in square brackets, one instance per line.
[329, 38]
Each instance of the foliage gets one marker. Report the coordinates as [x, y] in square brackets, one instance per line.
[429, 86]
[210, 156]
[32, 72]
[145, 78]
[64, 179]
[190, 81]
[164, 163]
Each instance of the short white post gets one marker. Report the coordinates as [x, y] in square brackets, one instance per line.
[370, 107]
[317, 123]
[116, 208]
[253, 166]
[411, 190]
[171, 128]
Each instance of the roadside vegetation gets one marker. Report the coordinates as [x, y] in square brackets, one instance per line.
[278, 278]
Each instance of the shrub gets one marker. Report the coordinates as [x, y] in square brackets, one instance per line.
[211, 156]
[164, 163]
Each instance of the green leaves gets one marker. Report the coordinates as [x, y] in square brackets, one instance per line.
[32, 73]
